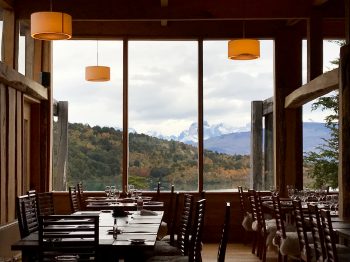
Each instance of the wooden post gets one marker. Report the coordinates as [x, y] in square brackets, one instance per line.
[288, 143]
[60, 180]
[125, 116]
[3, 155]
[314, 46]
[268, 152]
[256, 180]
[344, 127]
[8, 38]
[200, 117]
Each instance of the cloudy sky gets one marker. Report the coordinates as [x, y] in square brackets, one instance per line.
[163, 83]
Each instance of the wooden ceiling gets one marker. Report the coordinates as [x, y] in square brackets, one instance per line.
[191, 19]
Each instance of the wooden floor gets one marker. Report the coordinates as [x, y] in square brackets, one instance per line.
[235, 252]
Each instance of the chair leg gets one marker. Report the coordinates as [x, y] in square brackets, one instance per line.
[254, 242]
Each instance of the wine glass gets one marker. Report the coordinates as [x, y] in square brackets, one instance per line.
[131, 190]
[107, 191]
[116, 193]
[112, 191]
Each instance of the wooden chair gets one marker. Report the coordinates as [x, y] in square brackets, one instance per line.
[304, 245]
[334, 252]
[265, 230]
[66, 236]
[247, 216]
[73, 197]
[181, 246]
[165, 226]
[19, 211]
[225, 234]
[287, 242]
[81, 197]
[195, 248]
[45, 204]
[317, 232]
[29, 215]
[253, 208]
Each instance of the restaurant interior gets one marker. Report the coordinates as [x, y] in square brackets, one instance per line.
[47, 215]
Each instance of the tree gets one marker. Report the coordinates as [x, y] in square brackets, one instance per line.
[324, 163]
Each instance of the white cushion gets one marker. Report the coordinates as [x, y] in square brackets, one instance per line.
[247, 222]
[290, 245]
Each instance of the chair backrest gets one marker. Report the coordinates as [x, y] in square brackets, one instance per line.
[197, 231]
[19, 211]
[317, 232]
[81, 196]
[185, 225]
[301, 230]
[73, 197]
[45, 204]
[260, 215]
[202, 194]
[253, 204]
[225, 234]
[67, 235]
[27, 215]
[241, 200]
[157, 197]
[328, 234]
[278, 215]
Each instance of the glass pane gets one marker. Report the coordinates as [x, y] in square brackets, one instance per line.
[229, 88]
[163, 114]
[320, 145]
[95, 112]
[21, 51]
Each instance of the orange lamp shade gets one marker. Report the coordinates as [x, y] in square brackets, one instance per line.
[243, 49]
[97, 73]
[51, 26]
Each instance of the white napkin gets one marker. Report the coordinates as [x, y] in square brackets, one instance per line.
[145, 212]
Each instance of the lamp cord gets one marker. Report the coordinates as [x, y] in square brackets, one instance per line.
[243, 29]
[50, 5]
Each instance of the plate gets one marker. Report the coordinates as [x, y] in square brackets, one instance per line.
[137, 240]
[153, 203]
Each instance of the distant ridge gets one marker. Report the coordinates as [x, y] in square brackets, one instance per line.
[239, 142]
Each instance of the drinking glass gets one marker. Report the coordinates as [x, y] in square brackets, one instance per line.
[131, 190]
[107, 191]
[116, 194]
[112, 191]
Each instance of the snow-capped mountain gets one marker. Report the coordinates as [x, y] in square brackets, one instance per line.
[190, 135]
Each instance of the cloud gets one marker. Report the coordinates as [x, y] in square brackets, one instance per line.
[163, 83]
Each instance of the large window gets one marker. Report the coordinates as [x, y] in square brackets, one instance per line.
[95, 113]
[316, 135]
[229, 88]
[163, 91]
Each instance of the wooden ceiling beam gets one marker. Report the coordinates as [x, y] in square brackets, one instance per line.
[195, 29]
[148, 10]
[6, 4]
[319, 86]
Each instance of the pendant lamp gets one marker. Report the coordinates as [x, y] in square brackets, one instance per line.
[97, 73]
[244, 48]
[50, 25]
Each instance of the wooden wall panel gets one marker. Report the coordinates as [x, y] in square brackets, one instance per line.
[3, 156]
[19, 144]
[11, 154]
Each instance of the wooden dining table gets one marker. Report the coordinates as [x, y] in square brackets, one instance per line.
[99, 203]
[134, 226]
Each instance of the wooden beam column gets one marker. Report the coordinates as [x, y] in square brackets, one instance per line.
[256, 179]
[9, 38]
[314, 47]
[288, 146]
[125, 117]
[344, 138]
[344, 121]
[200, 117]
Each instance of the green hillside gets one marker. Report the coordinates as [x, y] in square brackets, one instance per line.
[95, 157]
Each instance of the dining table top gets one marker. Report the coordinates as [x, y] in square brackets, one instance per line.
[138, 231]
[130, 204]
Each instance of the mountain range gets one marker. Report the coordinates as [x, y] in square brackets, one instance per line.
[230, 140]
